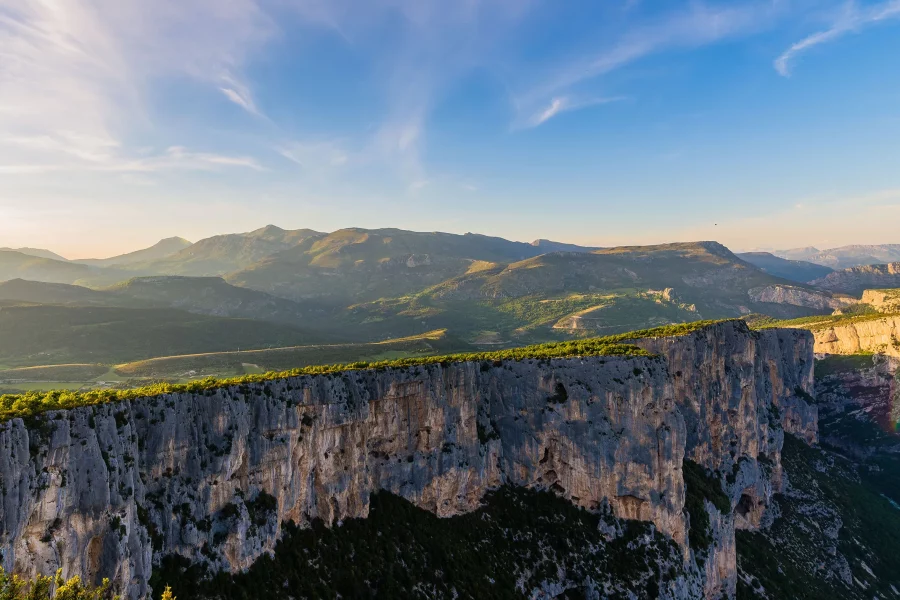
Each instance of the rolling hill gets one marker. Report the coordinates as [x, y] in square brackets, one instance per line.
[38, 252]
[160, 250]
[47, 335]
[364, 286]
[565, 293]
[359, 264]
[16, 265]
[39, 292]
[793, 270]
[223, 254]
[199, 295]
[211, 296]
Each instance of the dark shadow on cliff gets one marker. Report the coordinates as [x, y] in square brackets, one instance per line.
[519, 541]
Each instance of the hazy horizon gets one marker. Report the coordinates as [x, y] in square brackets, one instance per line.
[125, 249]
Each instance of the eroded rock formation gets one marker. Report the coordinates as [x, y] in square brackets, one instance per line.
[886, 301]
[795, 296]
[104, 491]
[856, 279]
[880, 336]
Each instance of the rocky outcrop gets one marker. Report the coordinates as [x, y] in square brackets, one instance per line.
[786, 294]
[885, 301]
[857, 279]
[104, 491]
[880, 336]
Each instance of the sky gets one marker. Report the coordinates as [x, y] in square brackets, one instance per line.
[760, 124]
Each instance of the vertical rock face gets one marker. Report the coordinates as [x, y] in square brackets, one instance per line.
[886, 301]
[102, 491]
[738, 393]
[881, 336]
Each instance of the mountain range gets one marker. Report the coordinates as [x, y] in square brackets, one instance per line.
[362, 286]
[845, 256]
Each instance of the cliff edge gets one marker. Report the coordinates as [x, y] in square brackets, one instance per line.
[108, 490]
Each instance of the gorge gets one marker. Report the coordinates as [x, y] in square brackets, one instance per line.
[108, 490]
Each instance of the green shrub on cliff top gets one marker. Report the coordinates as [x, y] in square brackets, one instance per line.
[817, 322]
[34, 403]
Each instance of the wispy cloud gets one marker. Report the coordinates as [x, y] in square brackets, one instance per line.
[563, 104]
[240, 94]
[315, 155]
[76, 75]
[852, 19]
[174, 158]
[697, 25]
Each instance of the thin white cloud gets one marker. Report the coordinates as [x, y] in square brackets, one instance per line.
[175, 158]
[696, 26]
[316, 155]
[557, 105]
[240, 94]
[852, 20]
[563, 104]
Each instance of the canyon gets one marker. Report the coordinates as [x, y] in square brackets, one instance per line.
[214, 477]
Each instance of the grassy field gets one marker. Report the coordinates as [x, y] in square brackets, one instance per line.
[75, 372]
[63, 335]
[230, 364]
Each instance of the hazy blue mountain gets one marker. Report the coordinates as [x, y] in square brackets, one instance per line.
[794, 270]
[845, 257]
[159, 250]
[39, 252]
[16, 265]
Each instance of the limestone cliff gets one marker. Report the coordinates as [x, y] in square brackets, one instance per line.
[105, 491]
[881, 336]
[886, 301]
[856, 279]
[795, 296]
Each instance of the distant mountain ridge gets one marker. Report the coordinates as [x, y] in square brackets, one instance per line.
[857, 279]
[794, 270]
[161, 249]
[17, 265]
[844, 257]
[223, 254]
[38, 252]
[368, 285]
[551, 246]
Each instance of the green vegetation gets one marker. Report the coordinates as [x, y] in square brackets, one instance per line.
[842, 363]
[795, 558]
[824, 321]
[12, 587]
[34, 403]
[224, 364]
[48, 335]
[700, 486]
[54, 373]
[401, 551]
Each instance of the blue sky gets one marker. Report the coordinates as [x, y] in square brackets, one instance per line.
[760, 124]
